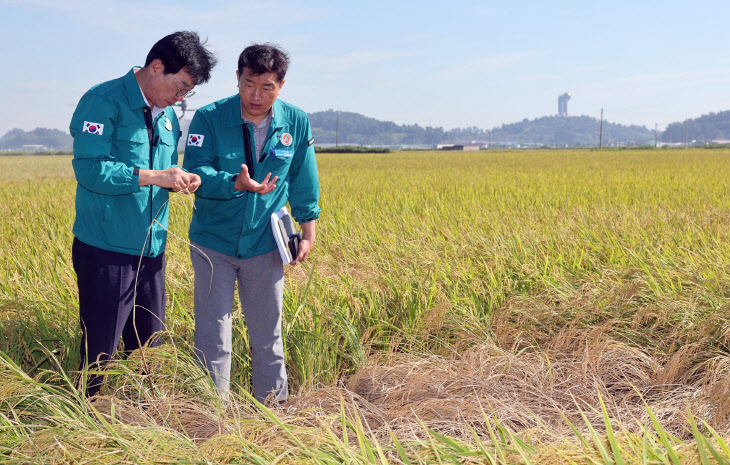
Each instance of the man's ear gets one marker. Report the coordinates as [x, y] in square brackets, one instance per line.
[156, 67]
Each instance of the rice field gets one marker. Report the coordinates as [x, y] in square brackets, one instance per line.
[499, 307]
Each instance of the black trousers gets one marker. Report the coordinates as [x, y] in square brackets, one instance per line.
[108, 307]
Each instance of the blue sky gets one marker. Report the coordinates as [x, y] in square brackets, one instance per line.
[450, 64]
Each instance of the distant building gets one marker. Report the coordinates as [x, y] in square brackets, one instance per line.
[563, 104]
[464, 147]
[720, 141]
[33, 148]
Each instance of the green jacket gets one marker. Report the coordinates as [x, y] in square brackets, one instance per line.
[110, 139]
[239, 223]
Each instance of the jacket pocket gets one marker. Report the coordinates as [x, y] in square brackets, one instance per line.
[278, 163]
[165, 151]
[230, 159]
[130, 145]
[130, 134]
[166, 138]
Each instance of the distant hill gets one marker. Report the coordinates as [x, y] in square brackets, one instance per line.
[573, 131]
[51, 139]
[356, 129]
[702, 129]
[582, 131]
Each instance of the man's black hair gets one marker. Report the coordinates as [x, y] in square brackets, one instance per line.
[264, 58]
[183, 49]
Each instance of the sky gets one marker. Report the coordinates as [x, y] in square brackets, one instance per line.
[449, 64]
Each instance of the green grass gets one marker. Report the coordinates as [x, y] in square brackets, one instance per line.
[424, 253]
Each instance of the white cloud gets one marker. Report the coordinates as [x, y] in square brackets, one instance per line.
[354, 59]
[590, 68]
[485, 65]
[662, 82]
[539, 77]
[133, 17]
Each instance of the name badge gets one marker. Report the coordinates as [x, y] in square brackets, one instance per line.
[281, 154]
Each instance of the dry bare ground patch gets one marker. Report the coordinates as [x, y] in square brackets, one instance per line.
[169, 412]
[528, 392]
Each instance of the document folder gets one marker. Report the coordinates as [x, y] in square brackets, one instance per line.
[287, 239]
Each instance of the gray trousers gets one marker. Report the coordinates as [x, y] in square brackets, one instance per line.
[261, 290]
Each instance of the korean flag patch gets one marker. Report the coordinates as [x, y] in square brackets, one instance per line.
[195, 140]
[93, 128]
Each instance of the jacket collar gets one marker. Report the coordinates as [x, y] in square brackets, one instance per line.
[278, 120]
[134, 93]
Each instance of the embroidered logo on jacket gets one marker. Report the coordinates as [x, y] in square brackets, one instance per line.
[93, 128]
[195, 140]
[286, 139]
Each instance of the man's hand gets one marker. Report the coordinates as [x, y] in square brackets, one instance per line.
[174, 178]
[245, 183]
[305, 245]
[194, 183]
[179, 180]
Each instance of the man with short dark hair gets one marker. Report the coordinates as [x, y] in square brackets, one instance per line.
[125, 162]
[236, 145]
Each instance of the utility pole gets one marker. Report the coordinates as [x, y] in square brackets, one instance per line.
[600, 135]
[337, 131]
[685, 133]
[655, 137]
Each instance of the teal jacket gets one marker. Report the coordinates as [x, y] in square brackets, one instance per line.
[110, 139]
[239, 223]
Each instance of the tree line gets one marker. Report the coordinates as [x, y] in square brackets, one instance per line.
[346, 128]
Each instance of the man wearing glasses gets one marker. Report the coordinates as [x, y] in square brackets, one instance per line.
[125, 162]
[243, 147]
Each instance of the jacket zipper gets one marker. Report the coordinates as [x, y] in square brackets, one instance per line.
[150, 133]
[152, 188]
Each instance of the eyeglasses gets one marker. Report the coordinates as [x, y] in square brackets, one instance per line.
[183, 93]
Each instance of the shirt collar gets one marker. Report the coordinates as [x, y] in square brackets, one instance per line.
[265, 122]
[135, 96]
[155, 110]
